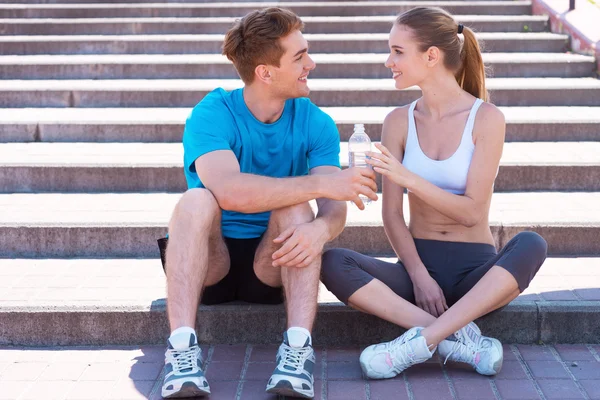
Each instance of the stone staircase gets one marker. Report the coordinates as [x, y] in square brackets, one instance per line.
[93, 97]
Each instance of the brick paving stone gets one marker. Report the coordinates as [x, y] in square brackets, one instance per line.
[574, 352]
[224, 370]
[508, 353]
[63, 372]
[230, 353]
[263, 353]
[123, 373]
[104, 372]
[592, 388]
[154, 354]
[145, 371]
[344, 371]
[519, 389]
[344, 390]
[226, 390]
[536, 353]
[47, 390]
[511, 370]
[548, 369]
[9, 354]
[474, 389]
[91, 390]
[343, 354]
[388, 389]
[27, 371]
[11, 390]
[462, 372]
[560, 389]
[128, 389]
[430, 388]
[586, 370]
[424, 371]
[259, 371]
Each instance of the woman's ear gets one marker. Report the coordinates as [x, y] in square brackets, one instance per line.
[432, 56]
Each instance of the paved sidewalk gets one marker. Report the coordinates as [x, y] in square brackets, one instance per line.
[241, 372]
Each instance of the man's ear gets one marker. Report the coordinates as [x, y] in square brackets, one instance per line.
[263, 73]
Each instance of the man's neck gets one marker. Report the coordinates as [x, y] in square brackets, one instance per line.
[262, 105]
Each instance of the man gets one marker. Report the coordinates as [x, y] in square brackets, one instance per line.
[253, 159]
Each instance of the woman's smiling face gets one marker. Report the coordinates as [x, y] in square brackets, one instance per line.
[406, 61]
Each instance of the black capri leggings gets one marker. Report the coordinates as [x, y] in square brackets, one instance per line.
[455, 266]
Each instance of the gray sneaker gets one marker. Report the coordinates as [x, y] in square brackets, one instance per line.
[293, 376]
[468, 345]
[184, 376]
[388, 359]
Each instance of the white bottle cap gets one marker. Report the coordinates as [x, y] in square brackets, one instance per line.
[359, 128]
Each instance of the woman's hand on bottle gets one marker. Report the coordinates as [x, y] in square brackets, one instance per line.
[428, 294]
[387, 165]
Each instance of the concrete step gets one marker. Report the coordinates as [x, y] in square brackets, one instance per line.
[533, 42]
[333, 24]
[216, 66]
[122, 301]
[166, 124]
[325, 92]
[157, 167]
[60, 225]
[238, 9]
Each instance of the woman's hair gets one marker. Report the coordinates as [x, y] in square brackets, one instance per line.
[254, 39]
[433, 26]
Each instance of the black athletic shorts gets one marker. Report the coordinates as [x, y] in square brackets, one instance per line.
[241, 283]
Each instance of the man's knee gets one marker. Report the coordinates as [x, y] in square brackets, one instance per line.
[296, 214]
[199, 205]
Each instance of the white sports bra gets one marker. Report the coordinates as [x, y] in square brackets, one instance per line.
[449, 174]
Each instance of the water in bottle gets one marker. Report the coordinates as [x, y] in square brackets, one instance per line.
[358, 144]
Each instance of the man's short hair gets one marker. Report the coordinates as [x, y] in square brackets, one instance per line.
[254, 39]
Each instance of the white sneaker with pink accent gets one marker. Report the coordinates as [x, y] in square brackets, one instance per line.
[386, 360]
[468, 345]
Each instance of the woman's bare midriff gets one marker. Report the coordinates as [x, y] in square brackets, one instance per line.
[428, 223]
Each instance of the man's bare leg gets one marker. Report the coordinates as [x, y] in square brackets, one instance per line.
[301, 285]
[196, 256]
[195, 243]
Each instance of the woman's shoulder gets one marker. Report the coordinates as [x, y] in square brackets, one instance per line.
[396, 122]
[490, 114]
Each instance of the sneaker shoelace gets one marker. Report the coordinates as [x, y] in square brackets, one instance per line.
[399, 352]
[464, 352]
[294, 357]
[184, 361]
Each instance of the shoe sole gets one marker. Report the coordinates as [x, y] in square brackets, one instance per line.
[285, 388]
[188, 389]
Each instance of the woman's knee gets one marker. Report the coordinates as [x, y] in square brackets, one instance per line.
[535, 244]
[334, 261]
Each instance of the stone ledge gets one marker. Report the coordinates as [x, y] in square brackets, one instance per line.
[336, 325]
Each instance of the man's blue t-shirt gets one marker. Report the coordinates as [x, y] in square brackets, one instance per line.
[304, 137]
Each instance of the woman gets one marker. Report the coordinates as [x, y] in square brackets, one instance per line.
[449, 273]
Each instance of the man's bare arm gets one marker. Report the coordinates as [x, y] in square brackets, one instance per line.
[219, 171]
[331, 214]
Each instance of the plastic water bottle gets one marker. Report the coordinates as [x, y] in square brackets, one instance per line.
[358, 144]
